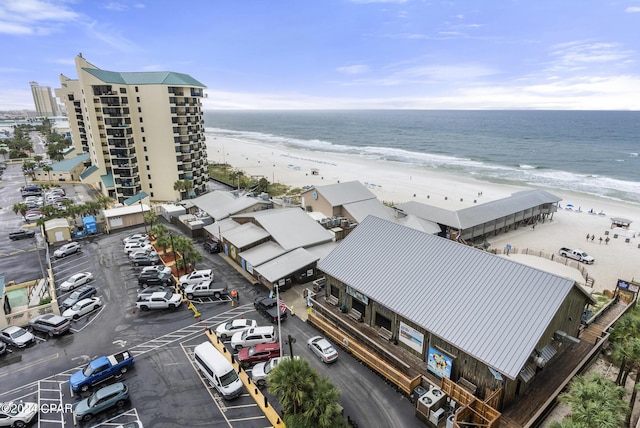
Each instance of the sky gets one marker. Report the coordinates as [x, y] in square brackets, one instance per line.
[339, 54]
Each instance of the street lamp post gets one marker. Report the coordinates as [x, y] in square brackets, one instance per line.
[143, 219]
[173, 250]
[290, 342]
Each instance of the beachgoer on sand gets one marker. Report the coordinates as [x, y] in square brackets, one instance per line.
[606, 241]
[601, 240]
[592, 237]
[587, 237]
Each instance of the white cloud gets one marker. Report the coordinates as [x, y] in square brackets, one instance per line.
[38, 17]
[353, 69]
[633, 9]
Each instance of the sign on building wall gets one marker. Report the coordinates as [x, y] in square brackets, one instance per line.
[358, 295]
[439, 363]
[411, 337]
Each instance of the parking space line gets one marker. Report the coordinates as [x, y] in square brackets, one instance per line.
[97, 314]
[33, 364]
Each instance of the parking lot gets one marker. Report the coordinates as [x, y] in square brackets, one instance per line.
[165, 388]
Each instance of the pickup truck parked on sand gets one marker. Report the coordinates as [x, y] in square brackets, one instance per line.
[160, 300]
[578, 255]
[101, 369]
[206, 289]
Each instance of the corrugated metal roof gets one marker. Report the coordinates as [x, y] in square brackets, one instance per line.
[479, 214]
[487, 306]
[262, 253]
[286, 264]
[120, 211]
[290, 227]
[344, 193]
[144, 78]
[245, 234]
[220, 227]
[220, 204]
[135, 198]
[322, 250]
[69, 164]
[361, 209]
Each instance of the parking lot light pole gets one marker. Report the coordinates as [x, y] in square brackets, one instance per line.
[143, 219]
[291, 341]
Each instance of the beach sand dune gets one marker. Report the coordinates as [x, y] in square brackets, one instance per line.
[396, 183]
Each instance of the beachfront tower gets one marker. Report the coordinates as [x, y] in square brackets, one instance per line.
[143, 131]
[44, 101]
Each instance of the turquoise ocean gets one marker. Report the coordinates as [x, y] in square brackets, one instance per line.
[590, 152]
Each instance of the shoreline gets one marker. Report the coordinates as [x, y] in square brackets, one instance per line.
[393, 183]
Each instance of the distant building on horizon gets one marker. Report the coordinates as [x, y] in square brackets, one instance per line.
[144, 131]
[44, 100]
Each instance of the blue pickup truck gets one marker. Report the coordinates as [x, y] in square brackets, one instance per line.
[101, 369]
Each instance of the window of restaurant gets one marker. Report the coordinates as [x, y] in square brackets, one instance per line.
[382, 321]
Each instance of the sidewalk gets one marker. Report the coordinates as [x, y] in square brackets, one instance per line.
[293, 297]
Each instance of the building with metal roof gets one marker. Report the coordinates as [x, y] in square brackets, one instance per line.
[491, 321]
[477, 222]
[144, 129]
[221, 204]
[69, 169]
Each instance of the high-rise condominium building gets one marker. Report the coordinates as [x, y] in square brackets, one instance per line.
[45, 102]
[143, 130]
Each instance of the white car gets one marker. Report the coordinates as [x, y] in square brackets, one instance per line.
[17, 413]
[147, 252]
[323, 349]
[227, 329]
[33, 217]
[159, 268]
[136, 237]
[82, 308]
[67, 249]
[76, 280]
[133, 246]
[261, 370]
[16, 336]
[196, 277]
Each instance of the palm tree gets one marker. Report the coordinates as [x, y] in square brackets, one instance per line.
[21, 208]
[38, 159]
[48, 169]
[292, 381]
[158, 230]
[625, 329]
[150, 217]
[190, 257]
[3, 152]
[163, 242]
[104, 201]
[28, 167]
[629, 351]
[595, 401]
[323, 408]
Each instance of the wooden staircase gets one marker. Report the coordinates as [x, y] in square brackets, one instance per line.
[594, 331]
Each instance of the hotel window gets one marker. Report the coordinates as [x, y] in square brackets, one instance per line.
[136, 89]
[151, 192]
[139, 109]
[142, 129]
[144, 139]
[123, 90]
[151, 187]
[149, 176]
[141, 120]
[148, 167]
[138, 99]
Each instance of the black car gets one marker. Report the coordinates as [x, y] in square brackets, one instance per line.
[145, 260]
[212, 246]
[22, 234]
[83, 292]
[268, 306]
[155, 278]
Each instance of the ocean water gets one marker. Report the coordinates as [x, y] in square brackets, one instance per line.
[591, 152]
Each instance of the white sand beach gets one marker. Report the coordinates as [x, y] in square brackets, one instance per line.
[396, 183]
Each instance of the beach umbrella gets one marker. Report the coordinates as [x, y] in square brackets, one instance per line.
[569, 205]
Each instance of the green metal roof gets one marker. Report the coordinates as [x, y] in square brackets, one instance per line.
[69, 164]
[107, 180]
[135, 198]
[144, 78]
[88, 172]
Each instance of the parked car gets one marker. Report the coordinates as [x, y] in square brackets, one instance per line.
[253, 336]
[135, 238]
[163, 300]
[155, 278]
[115, 395]
[157, 268]
[212, 246]
[206, 289]
[3, 348]
[22, 234]
[261, 371]
[67, 249]
[76, 280]
[258, 353]
[83, 292]
[154, 289]
[133, 246]
[33, 217]
[17, 414]
[145, 260]
[196, 277]
[83, 307]
[100, 370]
[16, 336]
[52, 324]
[228, 329]
[269, 307]
[323, 349]
[148, 252]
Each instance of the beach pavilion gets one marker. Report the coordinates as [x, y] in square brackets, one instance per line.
[475, 318]
[476, 223]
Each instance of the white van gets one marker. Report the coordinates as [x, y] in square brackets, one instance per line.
[217, 370]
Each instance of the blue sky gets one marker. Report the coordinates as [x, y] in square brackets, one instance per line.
[340, 54]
